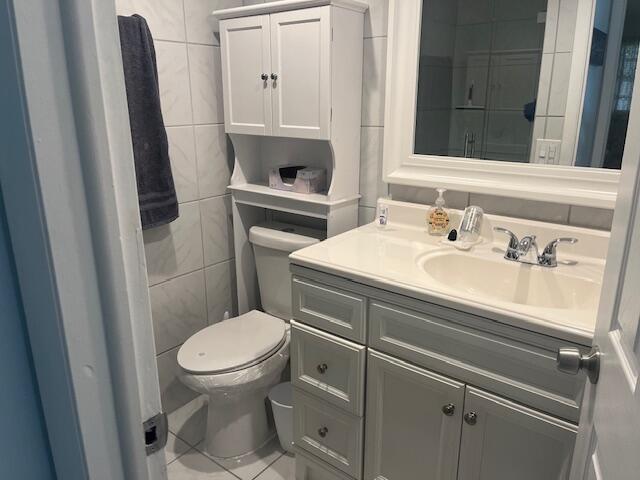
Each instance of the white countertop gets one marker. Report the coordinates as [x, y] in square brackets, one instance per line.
[390, 259]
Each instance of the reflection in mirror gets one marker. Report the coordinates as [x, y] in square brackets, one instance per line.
[479, 71]
[494, 80]
[610, 79]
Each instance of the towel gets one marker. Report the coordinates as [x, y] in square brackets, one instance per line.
[156, 190]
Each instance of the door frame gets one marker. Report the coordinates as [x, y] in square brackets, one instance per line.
[68, 182]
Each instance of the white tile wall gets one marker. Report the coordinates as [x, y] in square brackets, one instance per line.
[173, 78]
[206, 81]
[165, 17]
[179, 309]
[176, 248]
[217, 231]
[185, 296]
[371, 184]
[214, 162]
[220, 282]
[373, 88]
[182, 152]
[174, 394]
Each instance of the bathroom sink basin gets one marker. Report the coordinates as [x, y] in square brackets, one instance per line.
[511, 282]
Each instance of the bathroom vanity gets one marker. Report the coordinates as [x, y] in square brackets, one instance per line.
[411, 359]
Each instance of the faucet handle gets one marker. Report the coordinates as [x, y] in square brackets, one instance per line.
[513, 239]
[512, 249]
[548, 256]
[552, 246]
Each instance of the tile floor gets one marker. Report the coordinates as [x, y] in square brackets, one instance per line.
[186, 459]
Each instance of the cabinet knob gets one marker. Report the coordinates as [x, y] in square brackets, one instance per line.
[323, 431]
[264, 77]
[449, 409]
[471, 418]
[322, 368]
[274, 76]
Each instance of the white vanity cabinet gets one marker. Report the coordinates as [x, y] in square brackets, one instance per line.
[422, 425]
[414, 420]
[283, 71]
[447, 396]
[502, 440]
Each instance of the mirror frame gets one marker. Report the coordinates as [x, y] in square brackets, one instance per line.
[593, 187]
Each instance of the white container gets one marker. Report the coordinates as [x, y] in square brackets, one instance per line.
[281, 397]
[298, 179]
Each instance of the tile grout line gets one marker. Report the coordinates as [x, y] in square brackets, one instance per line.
[192, 271]
[268, 466]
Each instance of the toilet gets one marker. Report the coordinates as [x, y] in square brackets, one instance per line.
[237, 361]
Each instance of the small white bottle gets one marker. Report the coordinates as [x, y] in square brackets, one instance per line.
[382, 214]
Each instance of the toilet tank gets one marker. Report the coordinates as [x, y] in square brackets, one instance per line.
[272, 244]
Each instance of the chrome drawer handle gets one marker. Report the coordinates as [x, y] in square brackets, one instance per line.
[323, 431]
[322, 368]
[449, 409]
[471, 418]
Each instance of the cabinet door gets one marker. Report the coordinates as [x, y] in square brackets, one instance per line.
[246, 65]
[300, 58]
[504, 441]
[413, 424]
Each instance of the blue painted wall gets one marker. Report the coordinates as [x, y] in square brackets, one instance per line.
[24, 446]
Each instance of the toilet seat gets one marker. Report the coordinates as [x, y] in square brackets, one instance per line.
[232, 345]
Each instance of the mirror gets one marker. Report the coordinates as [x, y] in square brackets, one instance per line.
[502, 80]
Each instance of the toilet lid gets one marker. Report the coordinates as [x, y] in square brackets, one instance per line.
[232, 344]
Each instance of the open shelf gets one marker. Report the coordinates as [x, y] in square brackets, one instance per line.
[309, 204]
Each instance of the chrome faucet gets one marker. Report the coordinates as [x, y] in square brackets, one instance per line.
[526, 250]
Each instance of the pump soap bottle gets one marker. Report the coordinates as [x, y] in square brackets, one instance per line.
[438, 217]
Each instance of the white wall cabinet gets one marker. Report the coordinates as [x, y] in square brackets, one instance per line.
[292, 94]
[246, 66]
[277, 73]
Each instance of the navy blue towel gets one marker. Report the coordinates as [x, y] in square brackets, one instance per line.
[156, 190]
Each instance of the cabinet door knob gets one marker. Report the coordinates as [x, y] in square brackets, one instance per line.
[264, 77]
[322, 368]
[323, 431]
[274, 76]
[471, 418]
[449, 409]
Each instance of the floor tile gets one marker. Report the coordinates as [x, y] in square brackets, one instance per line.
[195, 466]
[174, 448]
[282, 469]
[250, 466]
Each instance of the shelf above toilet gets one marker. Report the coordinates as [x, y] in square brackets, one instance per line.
[308, 204]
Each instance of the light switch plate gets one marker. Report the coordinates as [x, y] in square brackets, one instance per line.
[547, 151]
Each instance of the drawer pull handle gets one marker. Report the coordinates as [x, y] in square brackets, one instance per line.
[471, 418]
[322, 368]
[449, 409]
[323, 431]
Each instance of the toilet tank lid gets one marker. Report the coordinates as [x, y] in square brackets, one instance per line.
[283, 236]
[233, 344]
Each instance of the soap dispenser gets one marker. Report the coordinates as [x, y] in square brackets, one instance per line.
[438, 217]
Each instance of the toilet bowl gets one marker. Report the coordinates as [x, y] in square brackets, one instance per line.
[237, 361]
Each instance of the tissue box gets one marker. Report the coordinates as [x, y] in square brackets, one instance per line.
[298, 179]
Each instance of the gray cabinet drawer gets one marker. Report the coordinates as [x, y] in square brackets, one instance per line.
[517, 370]
[330, 309]
[328, 432]
[309, 468]
[329, 367]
